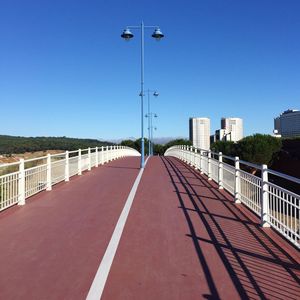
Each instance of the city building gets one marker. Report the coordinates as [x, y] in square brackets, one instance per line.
[288, 123]
[231, 130]
[221, 135]
[200, 132]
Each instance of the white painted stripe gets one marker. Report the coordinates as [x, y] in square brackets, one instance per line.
[100, 279]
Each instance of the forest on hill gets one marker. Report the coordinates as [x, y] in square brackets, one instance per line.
[17, 144]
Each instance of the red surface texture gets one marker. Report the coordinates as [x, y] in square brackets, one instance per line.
[51, 247]
[185, 239]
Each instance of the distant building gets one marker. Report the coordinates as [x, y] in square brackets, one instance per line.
[200, 132]
[221, 135]
[288, 123]
[212, 138]
[231, 129]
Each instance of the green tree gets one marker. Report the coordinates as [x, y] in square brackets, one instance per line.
[226, 147]
[128, 143]
[258, 148]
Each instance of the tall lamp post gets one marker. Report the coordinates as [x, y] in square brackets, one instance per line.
[150, 116]
[155, 116]
[127, 35]
[155, 94]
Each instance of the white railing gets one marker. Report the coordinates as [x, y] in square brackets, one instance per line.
[276, 206]
[20, 180]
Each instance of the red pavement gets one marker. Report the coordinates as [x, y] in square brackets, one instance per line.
[51, 247]
[184, 239]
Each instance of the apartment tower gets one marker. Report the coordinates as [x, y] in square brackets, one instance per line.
[231, 129]
[200, 132]
[288, 123]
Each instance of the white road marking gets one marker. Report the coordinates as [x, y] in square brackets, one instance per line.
[100, 279]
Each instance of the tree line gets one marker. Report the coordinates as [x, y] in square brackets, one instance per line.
[279, 154]
[17, 144]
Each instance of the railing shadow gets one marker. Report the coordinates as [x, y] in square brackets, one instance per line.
[121, 167]
[257, 266]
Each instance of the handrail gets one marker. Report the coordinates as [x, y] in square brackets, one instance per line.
[21, 182]
[276, 206]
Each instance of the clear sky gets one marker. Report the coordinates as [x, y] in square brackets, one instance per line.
[65, 71]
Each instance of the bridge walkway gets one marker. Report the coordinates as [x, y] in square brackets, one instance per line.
[183, 239]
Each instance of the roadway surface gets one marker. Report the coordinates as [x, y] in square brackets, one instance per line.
[183, 239]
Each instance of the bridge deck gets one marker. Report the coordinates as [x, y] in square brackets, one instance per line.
[183, 239]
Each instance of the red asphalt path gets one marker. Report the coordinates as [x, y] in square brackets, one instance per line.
[185, 239]
[51, 247]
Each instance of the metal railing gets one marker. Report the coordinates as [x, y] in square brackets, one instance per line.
[275, 205]
[22, 179]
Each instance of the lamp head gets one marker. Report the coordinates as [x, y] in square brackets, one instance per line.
[157, 34]
[127, 34]
[155, 94]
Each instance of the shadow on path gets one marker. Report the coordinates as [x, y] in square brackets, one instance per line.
[257, 266]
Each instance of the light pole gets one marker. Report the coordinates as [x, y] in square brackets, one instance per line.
[127, 35]
[155, 116]
[155, 94]
[150, 116]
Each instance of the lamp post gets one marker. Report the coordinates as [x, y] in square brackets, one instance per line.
[152, 136]
[155, 94]
[127, 35]
[150, 116]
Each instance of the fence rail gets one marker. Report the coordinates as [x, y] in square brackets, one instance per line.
[20, 180]
[276, 206]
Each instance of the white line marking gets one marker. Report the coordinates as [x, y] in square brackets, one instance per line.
[100, 279]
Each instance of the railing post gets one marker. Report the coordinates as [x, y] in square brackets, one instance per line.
[181, 152]
[89, 159]
[21, 183]
[209, 165]
[191, 155]
[186, 154]
[97, 158]
[237, 180]
[79, 162]
[195, 159]
[220, 171]
[49, 183]
[102, 155]
[201, 162]
[264, 197]
[67, 170]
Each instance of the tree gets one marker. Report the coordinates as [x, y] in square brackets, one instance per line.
[136, 144]
[226, 147]
[258, 148]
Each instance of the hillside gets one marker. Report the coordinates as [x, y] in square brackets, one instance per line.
[17, 144]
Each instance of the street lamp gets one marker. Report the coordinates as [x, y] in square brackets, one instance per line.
[153, 128]
[155, 94]
[150, 116]
[127, 35]
[155, 116]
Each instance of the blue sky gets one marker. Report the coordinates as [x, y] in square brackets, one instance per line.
[65, 71]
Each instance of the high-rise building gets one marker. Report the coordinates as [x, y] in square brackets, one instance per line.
[231, 129]
[200, 132]
[288, 123]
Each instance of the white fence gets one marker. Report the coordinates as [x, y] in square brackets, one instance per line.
[20, 180]
[276, 206]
